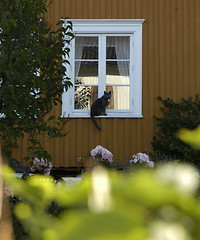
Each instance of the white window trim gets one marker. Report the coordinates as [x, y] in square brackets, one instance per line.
[131, 27]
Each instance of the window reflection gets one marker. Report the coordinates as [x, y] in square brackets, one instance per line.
[86, 47]
[118, 47]
[117, 72]
[84, 96]
[86, 72]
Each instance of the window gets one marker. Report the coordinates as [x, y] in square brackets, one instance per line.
[106, 55]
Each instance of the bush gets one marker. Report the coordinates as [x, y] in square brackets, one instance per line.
[176, 115]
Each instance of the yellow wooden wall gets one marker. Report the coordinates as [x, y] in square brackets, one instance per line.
[171, 68]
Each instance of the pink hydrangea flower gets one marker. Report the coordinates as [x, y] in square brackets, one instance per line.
[42, 166]
[142, 158]
[106, 154]
[36, 162]
[94, 152]
[100, 153]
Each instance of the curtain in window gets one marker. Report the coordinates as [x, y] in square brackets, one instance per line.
[86, 71]
[84, 49]
[122, 50]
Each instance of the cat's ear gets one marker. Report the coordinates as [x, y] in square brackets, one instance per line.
[110, 92]
[105, 92]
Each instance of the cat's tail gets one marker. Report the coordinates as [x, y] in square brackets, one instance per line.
[95, 122]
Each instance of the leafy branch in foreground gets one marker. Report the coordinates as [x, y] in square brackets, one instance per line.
[146, 204]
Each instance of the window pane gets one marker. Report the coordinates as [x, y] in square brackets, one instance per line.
[86, 72]
[117, 72]
[86, 47]
[119, 97]
[84, 96]
[118, 48]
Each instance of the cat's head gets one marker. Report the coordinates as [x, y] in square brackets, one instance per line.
[107, 95]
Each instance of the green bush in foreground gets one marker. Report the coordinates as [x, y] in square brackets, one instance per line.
[146, 205]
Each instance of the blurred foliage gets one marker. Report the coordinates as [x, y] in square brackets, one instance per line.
[175, 116]
[32, 74]
[191, 137]
[151, 204]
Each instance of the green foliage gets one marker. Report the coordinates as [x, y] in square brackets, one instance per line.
[176, 115]
[148, 204]
[82, 97]
[191, 137]
[32, 73]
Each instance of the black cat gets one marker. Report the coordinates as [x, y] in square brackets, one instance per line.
[99, 107]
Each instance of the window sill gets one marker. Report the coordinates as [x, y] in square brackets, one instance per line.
[116, 115]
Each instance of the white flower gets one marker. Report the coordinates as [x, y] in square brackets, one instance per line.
[168, 231]
[182, 176]
[100, 198]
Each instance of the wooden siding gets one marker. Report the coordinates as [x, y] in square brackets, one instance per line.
[171, 68]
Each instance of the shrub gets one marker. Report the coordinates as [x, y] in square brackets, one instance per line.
[176, 115]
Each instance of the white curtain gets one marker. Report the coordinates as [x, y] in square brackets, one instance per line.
[122, 50]
[82, 54]
[80, 43]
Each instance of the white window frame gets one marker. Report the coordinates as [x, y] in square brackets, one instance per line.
[118, 27]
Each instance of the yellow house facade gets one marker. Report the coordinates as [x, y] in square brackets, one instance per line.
[162, 58]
